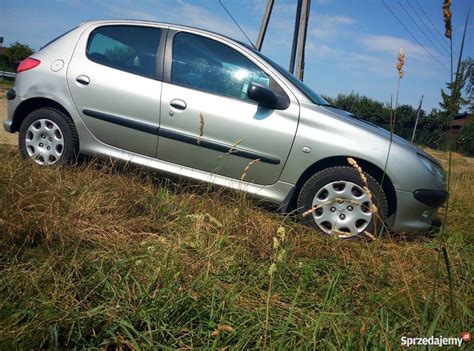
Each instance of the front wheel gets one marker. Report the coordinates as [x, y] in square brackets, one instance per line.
[337, 202]
[48, 137]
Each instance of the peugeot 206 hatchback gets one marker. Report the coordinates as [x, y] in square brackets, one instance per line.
[177, 99]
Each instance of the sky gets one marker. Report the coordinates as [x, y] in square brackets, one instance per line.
[352, 45]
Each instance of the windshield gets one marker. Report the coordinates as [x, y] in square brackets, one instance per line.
[307, 91]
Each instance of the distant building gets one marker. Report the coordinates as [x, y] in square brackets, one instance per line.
[457, 123]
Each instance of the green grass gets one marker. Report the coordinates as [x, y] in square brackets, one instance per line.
[104, 256]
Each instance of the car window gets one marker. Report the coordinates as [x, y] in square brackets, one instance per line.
[206, 64]
[128, 48]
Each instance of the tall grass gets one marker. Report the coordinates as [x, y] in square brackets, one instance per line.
[105, 256]
[455, 90]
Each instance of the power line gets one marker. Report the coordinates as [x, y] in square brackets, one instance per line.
[429, 30]
[414, 38]
[421, 30]
[237, 24]
[432, 24]
[444, 40]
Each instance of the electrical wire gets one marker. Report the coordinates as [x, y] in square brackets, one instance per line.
[432, 24]
[236, 23]
[414, 38]
[421, 30]
[429, 30]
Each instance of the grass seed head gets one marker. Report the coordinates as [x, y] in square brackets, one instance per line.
[281, 232]
[222, 328]
[201, 127]
[247, 168]
[400, 63]
[272, 269]
[276, 243]
[447, 18]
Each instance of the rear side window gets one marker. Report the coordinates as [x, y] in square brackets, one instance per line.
[131, 49]
[206, 64]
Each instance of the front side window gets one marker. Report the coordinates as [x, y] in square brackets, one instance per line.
[206, 64]
[128, 48]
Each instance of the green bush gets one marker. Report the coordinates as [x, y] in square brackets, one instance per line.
[466, 139]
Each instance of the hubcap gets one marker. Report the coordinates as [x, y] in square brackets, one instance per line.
[342, 208]
[44, 142]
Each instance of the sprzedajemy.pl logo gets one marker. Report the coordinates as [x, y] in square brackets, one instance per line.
[436, 340]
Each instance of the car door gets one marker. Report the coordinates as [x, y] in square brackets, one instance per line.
[209, 123]
[115, 81]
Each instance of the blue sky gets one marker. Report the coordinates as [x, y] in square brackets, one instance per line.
[352, 44]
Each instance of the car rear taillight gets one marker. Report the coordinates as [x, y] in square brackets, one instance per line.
[27, 64]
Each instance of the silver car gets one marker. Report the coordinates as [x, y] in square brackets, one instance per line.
[196, 104]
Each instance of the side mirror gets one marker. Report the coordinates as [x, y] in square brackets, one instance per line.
[262, 95]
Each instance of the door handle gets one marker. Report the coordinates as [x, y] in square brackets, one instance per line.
[178, 104]
[82, 79]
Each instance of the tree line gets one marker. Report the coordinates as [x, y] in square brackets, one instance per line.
[432, 126]
[11, 56]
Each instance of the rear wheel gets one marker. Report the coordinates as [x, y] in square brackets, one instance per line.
[48, 137]
[337, 202]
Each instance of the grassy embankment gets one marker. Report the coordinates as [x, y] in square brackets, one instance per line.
[100, 256]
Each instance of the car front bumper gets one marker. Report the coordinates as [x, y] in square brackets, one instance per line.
[7, 125]
[415, 210]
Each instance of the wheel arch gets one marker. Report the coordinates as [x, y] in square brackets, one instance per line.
[31, 105]
[366, 166]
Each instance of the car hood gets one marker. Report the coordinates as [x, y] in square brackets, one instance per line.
[373, 128]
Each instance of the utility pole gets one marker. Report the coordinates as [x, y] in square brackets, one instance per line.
[417, 116]
[299, 35]
[264, 25]
[302, 39]
[295, 37]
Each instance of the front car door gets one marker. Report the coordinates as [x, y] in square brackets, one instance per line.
[209, 123]
[115, 81]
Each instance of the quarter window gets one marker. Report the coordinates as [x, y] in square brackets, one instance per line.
[128, 48]
[206, 64]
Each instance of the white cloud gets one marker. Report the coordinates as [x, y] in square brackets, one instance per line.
[391, 45]
[329, 26]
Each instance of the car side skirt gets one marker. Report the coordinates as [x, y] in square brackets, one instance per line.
[275, 193]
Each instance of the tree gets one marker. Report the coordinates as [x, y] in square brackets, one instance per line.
[430, 129]
[463, 83]
[364, 107]
[466, 139]
[469, 90]
[15, 53]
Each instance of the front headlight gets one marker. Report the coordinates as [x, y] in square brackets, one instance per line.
[434, 169]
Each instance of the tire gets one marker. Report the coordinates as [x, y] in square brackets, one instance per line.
[48, 136]
[334, 201]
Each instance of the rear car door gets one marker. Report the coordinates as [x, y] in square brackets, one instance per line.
[209, 123]
[115, 81]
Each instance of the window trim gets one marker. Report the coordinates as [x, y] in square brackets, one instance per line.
[168, 66]
[159, 63]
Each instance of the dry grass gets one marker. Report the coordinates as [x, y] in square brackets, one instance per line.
[105, 256]
[5, 138]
